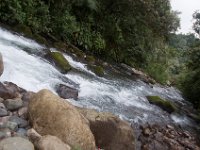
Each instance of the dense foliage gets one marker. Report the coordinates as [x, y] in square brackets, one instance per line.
[191, 84]
[127, 31]
[186, 70]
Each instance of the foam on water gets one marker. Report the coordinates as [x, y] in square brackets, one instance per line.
[124, 98]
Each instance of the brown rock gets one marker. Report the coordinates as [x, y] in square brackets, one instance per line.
[51, 115]
[110, 132]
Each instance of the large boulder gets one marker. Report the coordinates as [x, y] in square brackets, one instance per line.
[16, 143]
[51, 115]
[110, 132]
[60, 61]
[1, 65]
[67, 92]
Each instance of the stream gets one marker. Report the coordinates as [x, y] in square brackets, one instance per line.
[125, 97]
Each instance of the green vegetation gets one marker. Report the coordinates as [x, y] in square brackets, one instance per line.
[60, 61]
[162, 103]
[122, 31]
[187, 70]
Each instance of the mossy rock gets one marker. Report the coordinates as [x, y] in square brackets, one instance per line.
[60, 61]
[40, 39]
[90, 59]
[24, 30]
[162, 103]
[98, 70]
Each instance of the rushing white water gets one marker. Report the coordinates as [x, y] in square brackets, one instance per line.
[121, 96]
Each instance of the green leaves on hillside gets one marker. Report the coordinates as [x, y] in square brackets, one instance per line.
[125, 31]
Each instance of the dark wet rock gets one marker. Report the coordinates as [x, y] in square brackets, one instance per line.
[162, 103]
[1, 64]
[13, 104]
[20, 122]
[16, 143]
[59, 60]
[66, 92]
[109, 131]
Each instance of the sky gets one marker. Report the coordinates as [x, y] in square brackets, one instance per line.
[187, 8]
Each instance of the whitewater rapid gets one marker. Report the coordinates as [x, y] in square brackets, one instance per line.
[127, 98]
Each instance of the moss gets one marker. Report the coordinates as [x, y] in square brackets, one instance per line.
[40, 39]
[162, 103]
[98, 70]
[90, 59]
[60, 61]
[23, 29]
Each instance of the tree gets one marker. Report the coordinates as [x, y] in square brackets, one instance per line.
[196, 25]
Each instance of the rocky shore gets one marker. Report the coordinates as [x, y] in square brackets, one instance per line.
[45, 121]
